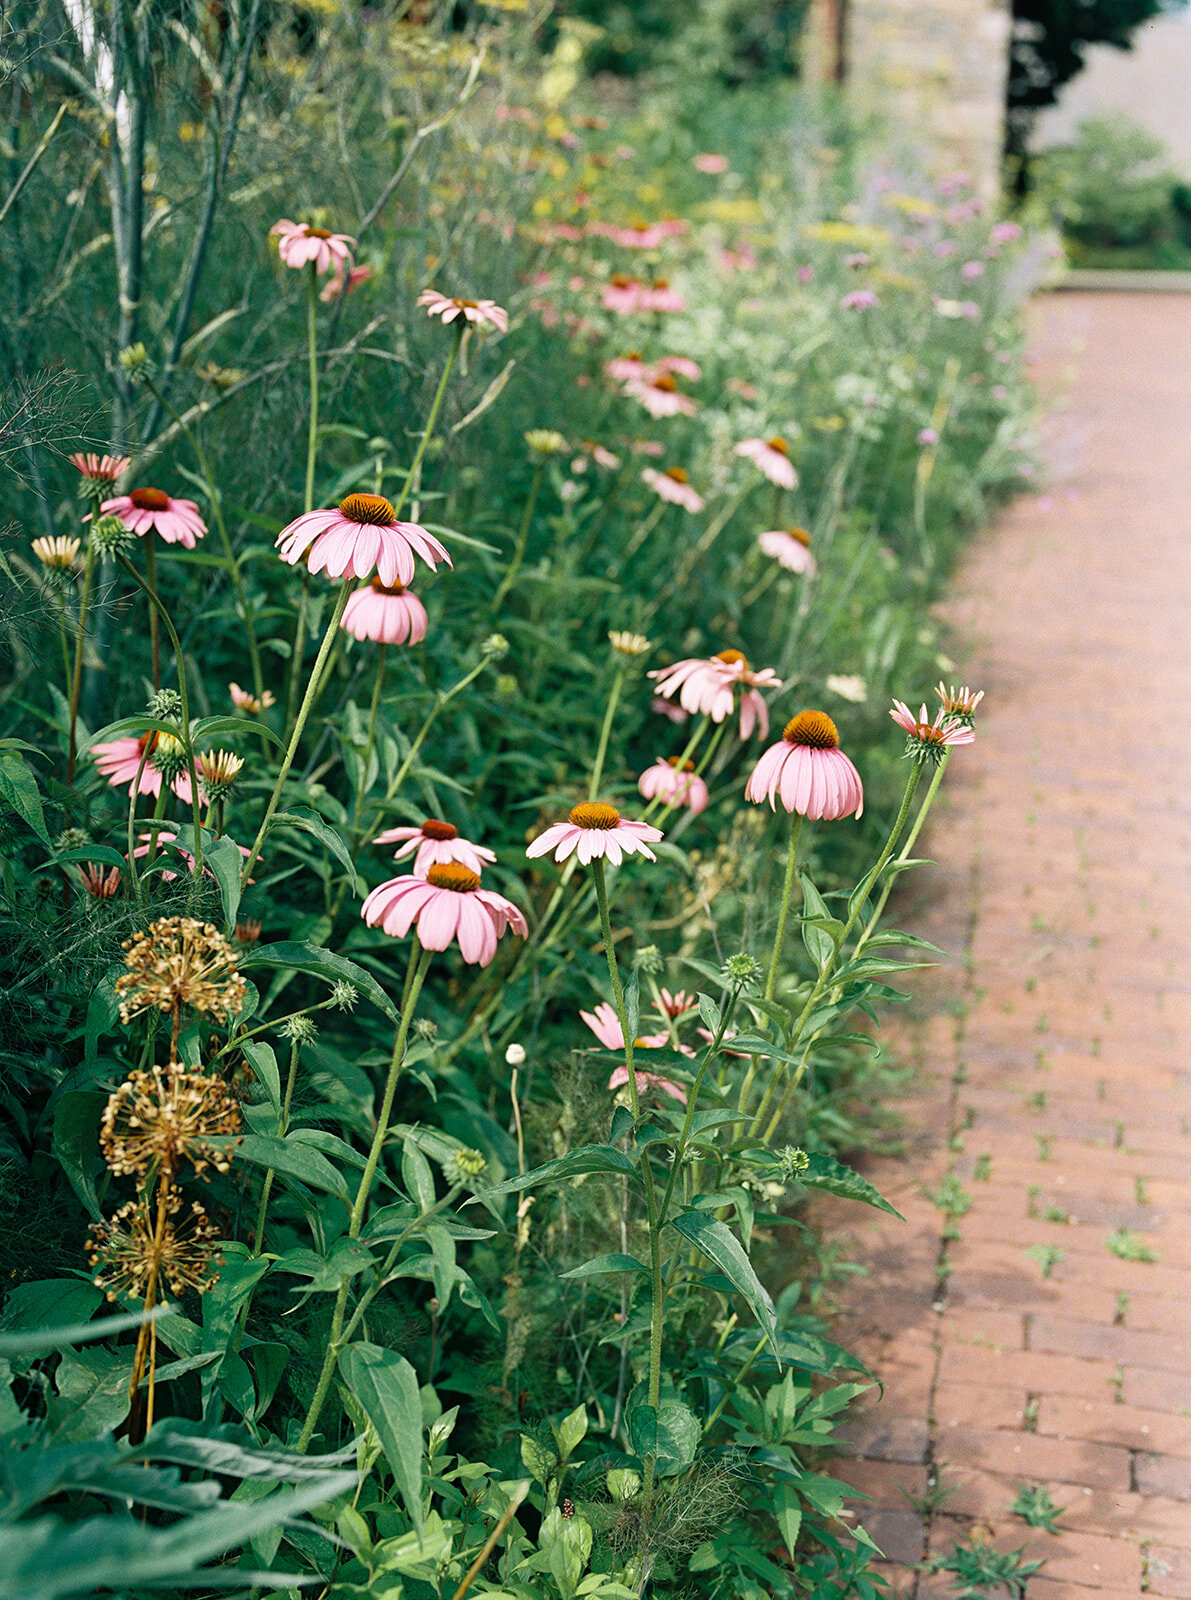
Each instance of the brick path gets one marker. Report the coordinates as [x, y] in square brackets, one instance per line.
[1018, 1346]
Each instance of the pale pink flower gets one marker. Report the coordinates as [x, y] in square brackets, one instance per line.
[805, 274]
[154, 511]
[386, 614]
[858, 260]
[593, 830]
[299, 244]
[953, 182]
[118, 760]
[960, 703]
[708, 161]
[680, 366]
[743, 259]
[340, 285]
[647, 1080]
[673, 485]
[859, 300]
[605, 1024]
[1004, 233]
[631, 365]
[99, 469]
[927, 437]
[972, 270]
[647, 447]
[448, 903]
[622, 294]
[789, 548]
[667, 709]
[674, 783]
[927, 738]
[772, 456]
[706, 686]
[477, 311]
[641, 235]
[433, 844]
[659, 296]
[945, 248]
[660, 396]
[244, 700]
[677, 1004]
[597, 453]
[360, 535]
[808, 772]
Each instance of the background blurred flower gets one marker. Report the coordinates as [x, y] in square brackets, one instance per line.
[154, 511]
[299, 243]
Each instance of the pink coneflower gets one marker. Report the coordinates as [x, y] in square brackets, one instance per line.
[435, 843]
[597, 453]
[605, 1024]
[98, 884]
[789, 548]
[680, 366]
[859, 300]
[119, 759]
[446, 904]
[168, 836]
[674, 783]
[359, 536]
[300, 244]
[475, 311]
[660, 396]
[676, 1005]
[659, 296]
[340, 285]
[154, 511]
[927, 437]
[707, 686]
[631, 365]
[972, 270]
[244, 700]
[708, 161]
[667, 709]
[772, 456]
[959, 703]
[622, 294]
[945, 248]
[386, 614]
[647, 1080]
[99, 469]
[808, 772]
[595, 830]
[641, 235]
[926, 740]
[674, 486]
[743, 259]
[1004, 233]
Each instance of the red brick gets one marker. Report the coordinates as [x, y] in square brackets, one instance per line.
[965, 1402]
[1066, 1418]
[1157, 1391]
[1027, 1369]
[1163, 1475]
[1128, 1346]
[1033, 1456]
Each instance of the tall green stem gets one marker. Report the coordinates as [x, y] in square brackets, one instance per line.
[597, 771]
[308, 700]
[376, 692]
[787, 891]
[435, 407]
[903, 854]
[420, 960]
[77, 675]
[431, 716]
[151, 581]
[506, 582]
[312, 358]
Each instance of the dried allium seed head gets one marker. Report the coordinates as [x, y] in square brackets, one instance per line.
[129, 1254]
[178, 961]
[158, 1119]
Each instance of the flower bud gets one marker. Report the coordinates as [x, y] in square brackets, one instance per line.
[494, 647]
[165, 703]
[136, 363]
[515, 1055]
[111, 537]
[741, 970]
[344, 995]
[545, 441]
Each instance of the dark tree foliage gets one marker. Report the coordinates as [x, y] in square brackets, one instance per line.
[735, 41]
[1049, 40]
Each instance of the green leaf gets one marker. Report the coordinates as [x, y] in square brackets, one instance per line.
[591, 1158]
[301, 956]
[307, 821]
[263, 1061]
[615, 1262]
[670, 1434]
[787, 1511]
[911, 941]
[820, 943]
[825, 1172]
[722, 1247]
[292, 1159]
[50, 1302]
[224, 861]
[249, 727]
[76, 1142]
[102, 854]
[387, 1387]
[18, 789]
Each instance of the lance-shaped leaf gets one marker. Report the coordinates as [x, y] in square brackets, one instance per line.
[825, 1172]
[387, 1387]
[592, 1158]
[722, 1247]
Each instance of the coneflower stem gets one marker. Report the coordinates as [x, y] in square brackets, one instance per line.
[903, 854]
[419, 961]
[506, 582]
[784, 910]
[435, 406]
[597, 771]
[308, 699]
[376, 692]
[77, 675]
[312, 354]
[431, 716]
[151, 581]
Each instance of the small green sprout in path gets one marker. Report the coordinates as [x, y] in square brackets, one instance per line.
[1122, 1310]
[1043, 1146]
[982, 1171]
[1035, 1506]
[978, 1568]
[934, 1496]
[1126, 1245]
[1056, 1214]
[950, 1196]
[1048, 1257]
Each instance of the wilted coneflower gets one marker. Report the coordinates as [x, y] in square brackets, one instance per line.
[153, 511]
[386, 614]
[300, 244]
[57, 554]
[435, 843]
[144, 1243]
[98, 884]
[176, 962]
[340, 284]
[448, 903]
[707, 687]
[675, 783]
[158, 1119]
[594, 830]
[96, 470]
[478, 312]
[789, 548]
[926, 740]
[359, 536]
[808, 772]
[243, 700]
[673, 485]
[677, 1004]
[772, 457]
[629, 644]
[959, 704]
